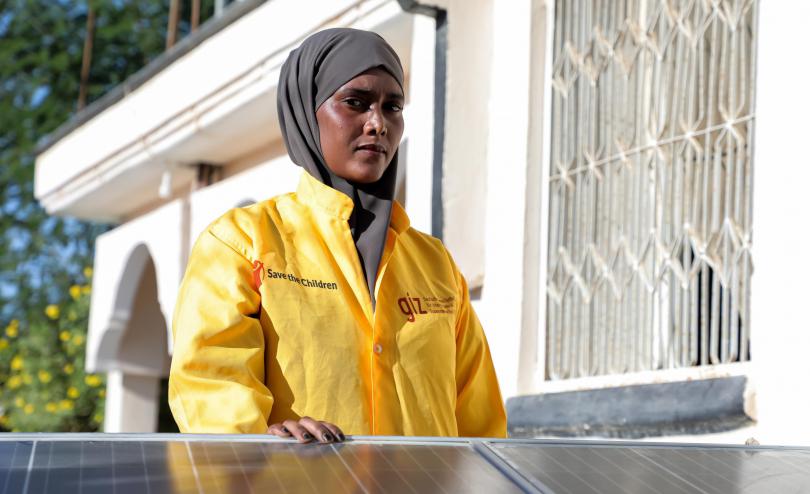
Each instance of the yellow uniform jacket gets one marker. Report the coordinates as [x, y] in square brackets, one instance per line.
[274, 322]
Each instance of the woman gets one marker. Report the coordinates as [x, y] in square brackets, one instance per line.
[322, 311]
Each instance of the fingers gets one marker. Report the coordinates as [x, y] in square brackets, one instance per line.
[298, 431]
[335, 430]
[308, 429]
[318, 430]
[279, 430]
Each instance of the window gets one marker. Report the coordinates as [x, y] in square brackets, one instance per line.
[649, 260]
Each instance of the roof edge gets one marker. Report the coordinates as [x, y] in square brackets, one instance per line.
[234, 12]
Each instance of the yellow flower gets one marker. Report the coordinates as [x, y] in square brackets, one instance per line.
[64, 335]
[86, 290]
[66, 405]
[3, 420]
[73, 392]
[72, 316]
[19, 402]
[75, 292]
[102, 393]
[88, 272]
[52, 311]
[92, 380]
[51, 407]
[12, 330]
[17, 363]
[68, 368]
[28, 409]
[98, 418]
[3, 343]
[78, 340]
[13, 326]
[14, 382]
[44, 376]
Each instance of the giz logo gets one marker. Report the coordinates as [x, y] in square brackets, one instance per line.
[410, 306]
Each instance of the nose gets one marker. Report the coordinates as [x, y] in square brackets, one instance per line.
[375, 124]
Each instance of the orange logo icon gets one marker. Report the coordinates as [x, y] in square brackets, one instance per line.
[258, 273]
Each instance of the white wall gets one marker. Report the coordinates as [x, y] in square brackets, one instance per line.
[132, 403]
[272, 176]
[469, 63]
[505, 200]
[419, 125]
[780, 326]
[115, 287]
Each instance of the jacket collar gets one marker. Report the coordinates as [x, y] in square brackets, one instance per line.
[321, 197]
[399, 218]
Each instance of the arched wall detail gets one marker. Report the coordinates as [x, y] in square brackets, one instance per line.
[121, 257]
[134, 340]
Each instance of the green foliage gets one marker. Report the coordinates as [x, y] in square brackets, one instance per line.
[45, 387]
[42, 257]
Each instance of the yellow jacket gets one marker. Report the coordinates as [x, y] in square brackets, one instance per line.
[274, 321]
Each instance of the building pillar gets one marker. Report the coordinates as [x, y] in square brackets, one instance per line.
[501, 308]
[132, 403]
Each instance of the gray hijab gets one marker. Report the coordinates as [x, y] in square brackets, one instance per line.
[311, 74]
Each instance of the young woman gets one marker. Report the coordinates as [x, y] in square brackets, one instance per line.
[321, 312]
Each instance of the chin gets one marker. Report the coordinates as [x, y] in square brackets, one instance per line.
[366, 174]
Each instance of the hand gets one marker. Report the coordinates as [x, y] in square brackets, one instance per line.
[306, 429]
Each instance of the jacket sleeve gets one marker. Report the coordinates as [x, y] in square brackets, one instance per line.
[216, 383]
[479, 407]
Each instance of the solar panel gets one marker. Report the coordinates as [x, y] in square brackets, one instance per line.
[614, 467]
[151, 463]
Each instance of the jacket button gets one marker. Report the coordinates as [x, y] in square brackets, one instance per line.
[377, 348]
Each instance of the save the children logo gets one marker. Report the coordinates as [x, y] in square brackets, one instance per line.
[413, 307]
[260, 274]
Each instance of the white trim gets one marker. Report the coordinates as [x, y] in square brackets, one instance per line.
[646, 377]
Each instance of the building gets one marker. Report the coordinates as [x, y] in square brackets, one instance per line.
[590, 165]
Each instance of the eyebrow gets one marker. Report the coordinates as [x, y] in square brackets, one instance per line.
[369, 92]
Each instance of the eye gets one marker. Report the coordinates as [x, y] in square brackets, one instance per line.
[396, 107]
[355, 103]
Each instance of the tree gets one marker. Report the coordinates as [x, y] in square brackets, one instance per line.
[44, 259]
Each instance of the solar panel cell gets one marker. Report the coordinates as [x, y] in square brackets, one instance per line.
[14, 457]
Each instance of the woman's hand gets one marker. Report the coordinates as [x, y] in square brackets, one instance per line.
[306, 429]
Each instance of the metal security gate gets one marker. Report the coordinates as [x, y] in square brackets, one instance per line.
[649, 260]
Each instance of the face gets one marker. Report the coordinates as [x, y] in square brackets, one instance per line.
[361, 125]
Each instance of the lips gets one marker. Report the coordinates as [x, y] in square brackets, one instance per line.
[376, 148]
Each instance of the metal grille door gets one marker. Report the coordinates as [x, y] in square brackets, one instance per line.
[649, 260]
